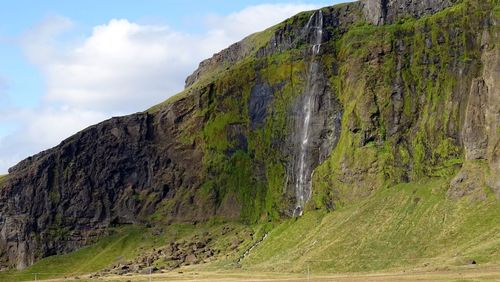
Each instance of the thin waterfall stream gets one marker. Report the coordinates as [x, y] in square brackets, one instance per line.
[303, 180]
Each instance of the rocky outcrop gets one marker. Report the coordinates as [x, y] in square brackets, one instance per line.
[261, 97]
[381, 12]
[199, 249]
[285, 36]
[289, 34]
[491, 73]
[480, 133]
[292, 34]
[222, 60]
[474, 134]
[174, 255]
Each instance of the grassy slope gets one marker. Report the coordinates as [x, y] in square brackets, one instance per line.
[127, 243]
[122, 245]
[406, 225]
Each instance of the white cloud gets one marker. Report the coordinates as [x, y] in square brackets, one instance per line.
[121, 67]
[254, 18]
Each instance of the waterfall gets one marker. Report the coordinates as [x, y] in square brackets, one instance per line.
[303, 166]
[247, 252]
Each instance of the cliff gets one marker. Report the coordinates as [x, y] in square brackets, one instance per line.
[314, 113]
[381, 12]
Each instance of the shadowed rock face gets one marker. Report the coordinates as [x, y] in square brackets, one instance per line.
[480, 133]
[261, 96]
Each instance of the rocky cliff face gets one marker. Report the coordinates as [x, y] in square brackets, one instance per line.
[381, 12]
[480, 132]
[113, 173]
[416, 112]
[280, 38]
[315, 112]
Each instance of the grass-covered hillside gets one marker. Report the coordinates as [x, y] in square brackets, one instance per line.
[404, 227]
[125, 244]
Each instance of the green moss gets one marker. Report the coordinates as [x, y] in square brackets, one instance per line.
[216, 129]
[433, 66]
[385, 139]
[3, 178]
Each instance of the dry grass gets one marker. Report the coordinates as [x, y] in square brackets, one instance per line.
[469, 273]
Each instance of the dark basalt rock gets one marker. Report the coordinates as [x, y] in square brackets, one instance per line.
[381, 12]
[480, 134]
[261, 97]
[115, 172]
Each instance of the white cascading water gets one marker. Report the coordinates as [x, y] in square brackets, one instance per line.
[303, 181]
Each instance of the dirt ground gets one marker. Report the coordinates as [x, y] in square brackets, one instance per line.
[491, 273]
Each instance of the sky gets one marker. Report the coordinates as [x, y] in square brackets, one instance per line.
[65, 65]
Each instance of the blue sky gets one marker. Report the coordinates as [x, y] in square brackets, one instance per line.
[65, 65]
